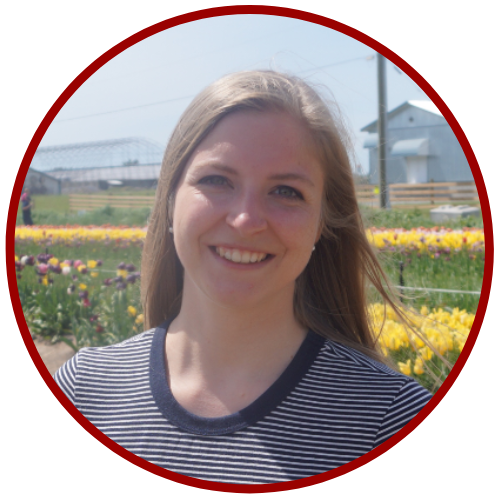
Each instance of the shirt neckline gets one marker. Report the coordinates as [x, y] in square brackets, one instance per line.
[228, 424]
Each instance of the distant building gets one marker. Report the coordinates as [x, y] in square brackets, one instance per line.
[421, 147]
[86, 180]
[41, 183]
[93, 166]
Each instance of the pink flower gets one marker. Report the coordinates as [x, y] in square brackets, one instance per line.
[43, 268]
[77, 264]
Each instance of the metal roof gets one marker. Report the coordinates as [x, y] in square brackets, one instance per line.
[134, 172]
[428, 106]
[411, 147]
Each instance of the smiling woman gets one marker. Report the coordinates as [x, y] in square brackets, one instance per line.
[259, 364]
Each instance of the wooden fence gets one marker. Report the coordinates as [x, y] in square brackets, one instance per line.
[426, 195]
[79, 202]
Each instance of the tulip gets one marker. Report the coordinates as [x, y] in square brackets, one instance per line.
[42, 268]
[66, 270]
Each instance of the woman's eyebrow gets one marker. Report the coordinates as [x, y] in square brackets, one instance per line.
[291, 176]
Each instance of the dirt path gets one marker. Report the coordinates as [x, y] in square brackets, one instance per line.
[53, 355]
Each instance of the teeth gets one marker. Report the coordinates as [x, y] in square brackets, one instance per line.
[240, 257]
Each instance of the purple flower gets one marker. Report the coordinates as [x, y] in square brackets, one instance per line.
[55, 269]
[121, 286]
[99, 263]
[121, 265]
[30, 261]
[43, 258]
[83, 295]
[436, 255]
[108, 281]
[130, 268]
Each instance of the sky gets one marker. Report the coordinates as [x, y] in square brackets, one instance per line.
[176, 64]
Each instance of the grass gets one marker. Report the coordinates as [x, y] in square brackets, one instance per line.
[54, 210]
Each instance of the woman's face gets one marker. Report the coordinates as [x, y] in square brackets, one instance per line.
[248, 209]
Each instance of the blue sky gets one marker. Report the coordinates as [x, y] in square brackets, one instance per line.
[177, 63]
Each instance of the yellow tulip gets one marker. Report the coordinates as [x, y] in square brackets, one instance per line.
[405, 368]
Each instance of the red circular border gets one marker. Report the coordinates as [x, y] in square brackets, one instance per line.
[225, 11]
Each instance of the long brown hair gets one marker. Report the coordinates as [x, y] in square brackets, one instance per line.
[331, 293]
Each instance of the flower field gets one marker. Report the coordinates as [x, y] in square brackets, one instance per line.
[81, 285]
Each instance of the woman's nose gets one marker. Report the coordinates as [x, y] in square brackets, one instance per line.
[247, 215]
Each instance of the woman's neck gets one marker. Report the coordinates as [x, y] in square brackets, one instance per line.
[220, 359]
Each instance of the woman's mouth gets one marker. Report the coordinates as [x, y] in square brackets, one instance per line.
[240, 256]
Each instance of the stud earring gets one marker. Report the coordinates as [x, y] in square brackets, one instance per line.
[171, 230]
[314, 247]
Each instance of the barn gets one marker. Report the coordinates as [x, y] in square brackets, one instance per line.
[421, 147]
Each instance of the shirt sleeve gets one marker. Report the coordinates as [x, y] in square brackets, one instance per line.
[410, 400]
[65, 377]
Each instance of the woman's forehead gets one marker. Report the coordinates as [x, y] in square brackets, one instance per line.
[257, 139]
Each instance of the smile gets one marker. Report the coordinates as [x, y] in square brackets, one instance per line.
[240, 256]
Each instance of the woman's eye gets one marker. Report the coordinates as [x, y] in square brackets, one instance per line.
[288, 192]
[214, 180]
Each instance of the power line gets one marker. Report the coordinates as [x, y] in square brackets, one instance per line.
[191, 96]
[124, 109]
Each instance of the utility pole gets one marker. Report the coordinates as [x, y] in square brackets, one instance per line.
[382, 130]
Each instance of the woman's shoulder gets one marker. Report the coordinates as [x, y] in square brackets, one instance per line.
[134, 350]
[100, 363]
[350, 364]
[135, 344]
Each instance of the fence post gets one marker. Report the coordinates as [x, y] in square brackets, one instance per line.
[401, 278]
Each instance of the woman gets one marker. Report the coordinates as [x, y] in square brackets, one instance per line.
[260, 365]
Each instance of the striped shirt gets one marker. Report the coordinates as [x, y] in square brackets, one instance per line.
[331, 405]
